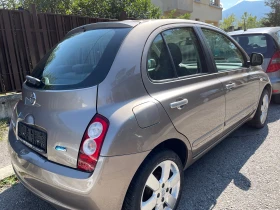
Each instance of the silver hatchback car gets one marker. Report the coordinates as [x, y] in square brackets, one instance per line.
[114, 113]
[267, 42]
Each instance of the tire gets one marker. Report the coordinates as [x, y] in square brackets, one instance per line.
[140, 195]
[276, 99]
[260, 117]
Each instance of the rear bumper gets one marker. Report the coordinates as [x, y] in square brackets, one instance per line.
[275, 81]
[67, 188]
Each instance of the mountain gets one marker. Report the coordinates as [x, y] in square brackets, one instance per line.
[256, 8]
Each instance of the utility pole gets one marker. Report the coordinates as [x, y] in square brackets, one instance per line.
[244, 17]
[277, 21]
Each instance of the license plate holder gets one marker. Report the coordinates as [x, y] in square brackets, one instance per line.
[33, 136]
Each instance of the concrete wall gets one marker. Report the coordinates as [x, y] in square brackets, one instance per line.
[203, 11]
[183, 6]
[7, 103]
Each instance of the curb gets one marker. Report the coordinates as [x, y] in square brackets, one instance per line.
[6, 172]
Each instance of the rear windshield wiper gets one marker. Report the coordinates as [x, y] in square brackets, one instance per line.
[33, 81]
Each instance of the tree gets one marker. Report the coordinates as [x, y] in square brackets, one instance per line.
[8, 4]
[248, 21]
[113, 8]
[273, 18]
[142, 9]
[172, 15]
[93, 8]
[52, 6]
[228, 22]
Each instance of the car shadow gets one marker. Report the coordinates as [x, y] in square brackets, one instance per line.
[275, 109]
[18, 197]
[206, 179]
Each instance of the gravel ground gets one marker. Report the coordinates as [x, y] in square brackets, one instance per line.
[242, 172]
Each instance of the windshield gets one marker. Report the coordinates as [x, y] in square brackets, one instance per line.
[80, 60]
[259, 43]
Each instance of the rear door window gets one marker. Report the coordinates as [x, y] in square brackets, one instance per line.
[259, 43]
[80, 60]
[159, 62]
[185, 51]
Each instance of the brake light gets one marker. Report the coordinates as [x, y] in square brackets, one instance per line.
[92, 142]
[274, 64]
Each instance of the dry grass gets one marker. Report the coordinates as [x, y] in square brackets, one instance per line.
[8, 182]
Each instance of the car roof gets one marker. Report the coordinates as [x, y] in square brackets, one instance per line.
[134, 23]
[265, 30]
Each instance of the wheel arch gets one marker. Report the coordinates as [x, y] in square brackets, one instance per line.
[173, 144]
[176, 145]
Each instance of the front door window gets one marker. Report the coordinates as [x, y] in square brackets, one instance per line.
[226, 55]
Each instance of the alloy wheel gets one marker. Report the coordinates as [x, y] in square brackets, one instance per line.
[162, 188]
[264, 108]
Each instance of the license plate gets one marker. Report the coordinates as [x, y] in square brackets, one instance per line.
[33, 136]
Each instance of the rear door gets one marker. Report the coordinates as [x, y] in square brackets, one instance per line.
[234, 73]
[177, 75]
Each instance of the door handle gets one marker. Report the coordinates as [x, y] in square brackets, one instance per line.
[179, 104]
[230, 86]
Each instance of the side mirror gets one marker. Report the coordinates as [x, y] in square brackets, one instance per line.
[256, 59]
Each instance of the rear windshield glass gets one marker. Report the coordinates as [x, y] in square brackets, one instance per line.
[80, 60]
[258, 43]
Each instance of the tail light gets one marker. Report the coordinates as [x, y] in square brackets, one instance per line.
[274, 64]
[92, 142]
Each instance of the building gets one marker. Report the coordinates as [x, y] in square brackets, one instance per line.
[209, 11]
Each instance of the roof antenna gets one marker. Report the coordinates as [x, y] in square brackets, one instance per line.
[245, 29]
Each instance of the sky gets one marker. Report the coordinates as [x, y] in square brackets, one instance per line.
[229, 3]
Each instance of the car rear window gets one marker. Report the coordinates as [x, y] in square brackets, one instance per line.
[259, 43]
[81, 60]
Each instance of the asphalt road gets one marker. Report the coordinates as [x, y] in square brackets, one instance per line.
[242, 172]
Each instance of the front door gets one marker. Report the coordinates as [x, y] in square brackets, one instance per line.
[233, 72]
[177, 76]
